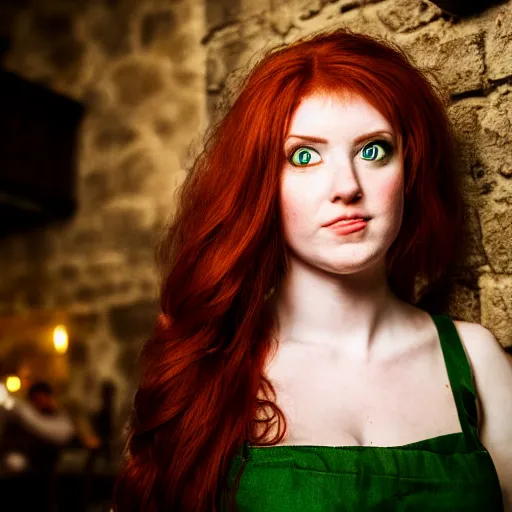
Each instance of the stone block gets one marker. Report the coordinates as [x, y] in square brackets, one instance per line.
[348, 5]
[483, 128]
[458, 63]
[461, 63]
[156, 26]
[133, 323]
[111, 289]
[496, 221]
[495, 135]
[110, 30]
[52, 25]
[165, 128]
[464, 118]
[222, 58]
[137, 80]
[474, 256]
[216, 72]
[104, 268]
[484, 180]
[173, 32]
[499, 44]
[86, 239]
[221, 13]
[129, 225]
[464, 303]
[127, 362]
[133, 172]
[95, 189]
[282, 17]
[407, 15]
[496, 119]
[85, 294]
[68, 273]
[496, 304]
[233, 51]
[113, 134]
[84, 325]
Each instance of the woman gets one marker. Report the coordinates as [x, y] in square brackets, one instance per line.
[292, 368]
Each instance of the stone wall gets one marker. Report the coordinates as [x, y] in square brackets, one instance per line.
[139, 67]
[468, 56]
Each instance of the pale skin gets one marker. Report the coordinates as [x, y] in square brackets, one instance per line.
[338, 320]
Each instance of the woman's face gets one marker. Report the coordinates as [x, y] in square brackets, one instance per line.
[342, 158]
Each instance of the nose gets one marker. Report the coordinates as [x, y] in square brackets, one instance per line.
[345, 183]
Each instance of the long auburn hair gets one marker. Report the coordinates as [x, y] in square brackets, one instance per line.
[202, 368]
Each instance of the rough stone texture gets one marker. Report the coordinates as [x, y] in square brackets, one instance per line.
[464, 117]
[499, 45]
[465, 57]
[458, 63]
[407, 15]
[475, 255]
[497, 236]
[139, 67]
[137, 81]
[133, 323]
[114, 135]
[495, 136]
[496, 302]
[157, 26]
[465, 303]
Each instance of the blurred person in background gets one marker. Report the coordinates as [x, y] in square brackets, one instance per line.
[34, 431]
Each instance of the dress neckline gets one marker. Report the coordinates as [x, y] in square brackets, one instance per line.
[461, 381]
[408, 446]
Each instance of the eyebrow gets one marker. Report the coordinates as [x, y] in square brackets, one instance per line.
[325, 141]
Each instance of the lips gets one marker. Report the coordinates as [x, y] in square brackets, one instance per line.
[348, 219]
[347, 227]
[346, 222]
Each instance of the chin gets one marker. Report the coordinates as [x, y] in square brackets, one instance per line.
[353, 266]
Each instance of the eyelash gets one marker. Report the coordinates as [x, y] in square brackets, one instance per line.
[388, 147]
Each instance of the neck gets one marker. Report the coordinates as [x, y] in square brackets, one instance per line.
[349, 313]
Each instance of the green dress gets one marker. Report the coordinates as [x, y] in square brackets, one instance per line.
[451, 472]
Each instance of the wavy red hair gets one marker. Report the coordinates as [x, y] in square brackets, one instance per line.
[203, 365]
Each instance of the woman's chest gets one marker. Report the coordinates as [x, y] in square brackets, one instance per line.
[328, 402]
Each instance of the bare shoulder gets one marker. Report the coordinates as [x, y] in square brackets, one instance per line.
[492, 373]
[479, 340]
[491, 365]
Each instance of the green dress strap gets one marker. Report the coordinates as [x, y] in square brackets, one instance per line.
[461, 378]
[447, 473]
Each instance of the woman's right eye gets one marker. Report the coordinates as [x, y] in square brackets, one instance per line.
[305, 156]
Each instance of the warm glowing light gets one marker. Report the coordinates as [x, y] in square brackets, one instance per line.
[60, 339]
[13, 383]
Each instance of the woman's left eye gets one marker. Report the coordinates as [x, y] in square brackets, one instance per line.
[304, 155]
[376, 151]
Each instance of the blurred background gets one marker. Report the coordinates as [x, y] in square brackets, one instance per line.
[103, 106]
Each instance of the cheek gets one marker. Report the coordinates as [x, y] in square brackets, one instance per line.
[291, 215]
[290, 206]
[391, 193]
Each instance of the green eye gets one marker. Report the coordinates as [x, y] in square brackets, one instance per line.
[304, 156]
[376, 151]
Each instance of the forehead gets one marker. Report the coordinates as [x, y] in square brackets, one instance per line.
[323, 113]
